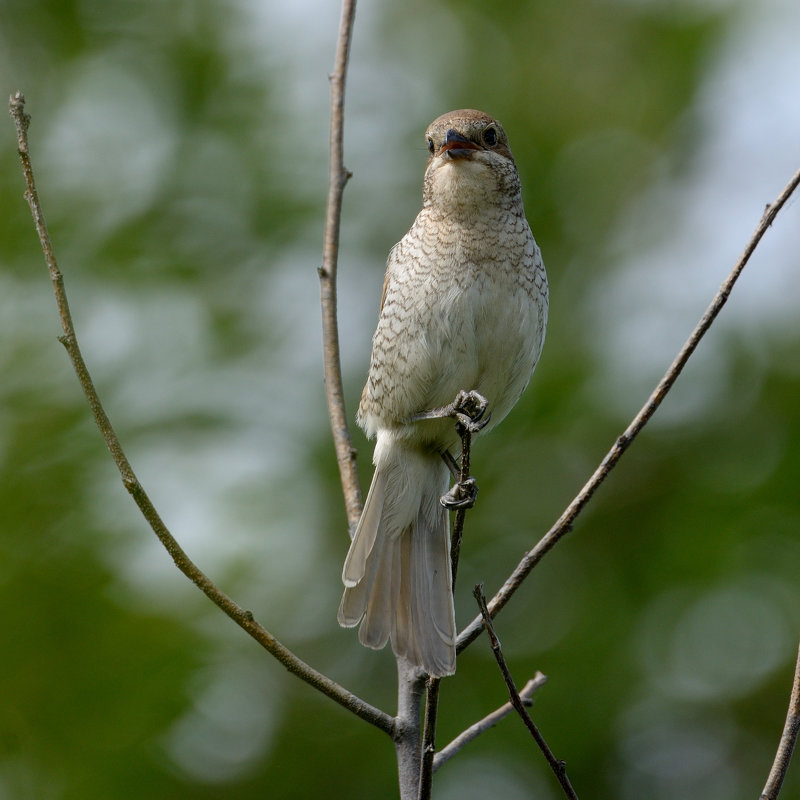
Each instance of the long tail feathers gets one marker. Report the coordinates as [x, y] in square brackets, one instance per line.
[397, 572]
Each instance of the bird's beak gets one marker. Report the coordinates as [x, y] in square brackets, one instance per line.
[456, 146]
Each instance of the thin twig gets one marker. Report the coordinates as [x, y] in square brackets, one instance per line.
[559, 767]
[429, 737]
[338, 177]
[566, 521]
[432, 685]
[788, 741]
[489, 721]
[461, 513]
[239, 615]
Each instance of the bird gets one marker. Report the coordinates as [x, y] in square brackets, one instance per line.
[464, 308]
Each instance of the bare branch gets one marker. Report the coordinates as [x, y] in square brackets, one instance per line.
[788, 740]
[460, 516]
[429, 737]
[239, 615]
[559, 767]
[407, 732]
[489, 721]
[566, 521]
[338, 177]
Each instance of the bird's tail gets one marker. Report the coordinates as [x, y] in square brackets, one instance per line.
[397, 572]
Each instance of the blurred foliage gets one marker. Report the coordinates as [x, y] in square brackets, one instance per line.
[180, 155]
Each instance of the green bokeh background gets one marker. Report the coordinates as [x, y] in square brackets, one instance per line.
[181, 150]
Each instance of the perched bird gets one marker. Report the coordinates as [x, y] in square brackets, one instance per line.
[464, 307]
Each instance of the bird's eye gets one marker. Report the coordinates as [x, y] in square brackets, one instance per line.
[431, 146]
[490, 136]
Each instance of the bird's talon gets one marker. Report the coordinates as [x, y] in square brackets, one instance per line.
[468, 409]
[471, 425]
[462, 495]
[471, 404]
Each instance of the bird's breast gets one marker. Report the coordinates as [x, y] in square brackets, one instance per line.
[464, 309]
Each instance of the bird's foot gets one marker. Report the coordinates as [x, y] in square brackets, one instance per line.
[468, 409]
[462, 495]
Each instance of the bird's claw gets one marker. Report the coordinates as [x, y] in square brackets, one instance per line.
[462, 495]
[467, 409]
[470, 405]
[467, 424]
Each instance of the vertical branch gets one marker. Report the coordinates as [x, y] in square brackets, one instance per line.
[407, 738]
[338, 177]
[429, 738]
[406, 730]
[788, 740]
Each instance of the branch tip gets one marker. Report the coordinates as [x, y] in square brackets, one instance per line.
[488, 722]
[788, 740]
[556, 765]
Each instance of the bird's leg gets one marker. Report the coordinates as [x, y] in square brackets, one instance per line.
[464, 492]
[452, 464]
[462, 495]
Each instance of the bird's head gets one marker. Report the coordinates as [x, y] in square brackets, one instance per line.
[470, 163]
